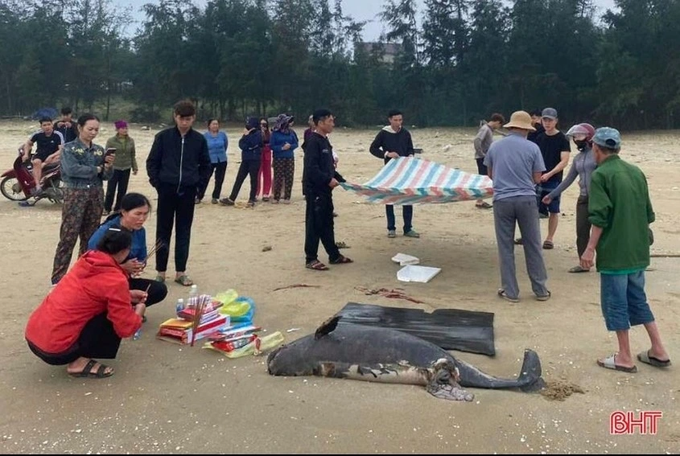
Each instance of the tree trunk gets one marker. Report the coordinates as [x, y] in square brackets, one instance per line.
[9, 97]
[108, 99]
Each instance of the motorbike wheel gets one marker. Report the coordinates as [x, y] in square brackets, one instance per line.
[11, 189]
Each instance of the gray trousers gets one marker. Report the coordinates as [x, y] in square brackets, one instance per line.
[522, 211]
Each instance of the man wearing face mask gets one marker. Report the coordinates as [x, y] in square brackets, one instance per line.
[582, 167]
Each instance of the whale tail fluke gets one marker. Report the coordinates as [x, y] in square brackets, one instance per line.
[530, 377]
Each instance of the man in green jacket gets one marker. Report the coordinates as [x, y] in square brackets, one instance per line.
[620, 211]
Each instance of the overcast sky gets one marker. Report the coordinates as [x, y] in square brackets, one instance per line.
[359, 9]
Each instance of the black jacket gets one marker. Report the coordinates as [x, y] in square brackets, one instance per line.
[389, 141]
[184, 162]
[318, 166]
[251, 145]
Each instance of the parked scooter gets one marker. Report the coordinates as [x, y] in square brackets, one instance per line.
[17, 184]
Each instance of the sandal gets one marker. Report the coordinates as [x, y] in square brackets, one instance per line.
[160, 278]
[483, 205]
[610, 363]
[646, 358]
[548, 245]
[544, 297]
[87, 371]
[341, 260]
[316, 265]
[184, 280]
[577, 269]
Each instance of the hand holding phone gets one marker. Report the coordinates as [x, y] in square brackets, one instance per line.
[109, 156]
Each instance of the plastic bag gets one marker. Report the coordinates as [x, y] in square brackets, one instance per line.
[240, 310]
[227, 297]
[255, 348]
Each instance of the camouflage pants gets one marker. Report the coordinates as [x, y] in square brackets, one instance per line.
[80, 216]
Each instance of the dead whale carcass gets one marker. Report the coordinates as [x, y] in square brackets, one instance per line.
[390, 356]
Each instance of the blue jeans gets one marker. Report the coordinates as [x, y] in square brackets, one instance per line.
[408, 218]
[624, 302]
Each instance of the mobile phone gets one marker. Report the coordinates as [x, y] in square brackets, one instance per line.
[109, 151]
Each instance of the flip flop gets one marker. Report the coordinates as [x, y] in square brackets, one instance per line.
[505, 296]
[646, 358]
[548, 245]
[341, 260]
[577, 269]
[316, 265]
[610, 363]
[184, 280]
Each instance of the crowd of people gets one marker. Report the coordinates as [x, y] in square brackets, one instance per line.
[613, 200]
[79, 320]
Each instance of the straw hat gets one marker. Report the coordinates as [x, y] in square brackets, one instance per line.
[521, 120]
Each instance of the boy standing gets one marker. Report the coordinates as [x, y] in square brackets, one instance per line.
[394, 141]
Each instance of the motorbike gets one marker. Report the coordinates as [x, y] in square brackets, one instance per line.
[18, 184]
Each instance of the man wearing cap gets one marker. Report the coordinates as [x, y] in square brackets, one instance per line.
[515, 166]
[126, 160]
[620, 211]
[555, 149]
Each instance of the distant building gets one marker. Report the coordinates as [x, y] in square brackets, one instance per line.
[388, 51]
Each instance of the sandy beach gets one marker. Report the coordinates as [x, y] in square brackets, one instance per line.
[166, 398]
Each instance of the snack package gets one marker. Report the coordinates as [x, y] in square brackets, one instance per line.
[256, 347]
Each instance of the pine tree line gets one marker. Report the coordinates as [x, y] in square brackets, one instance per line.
[468, 58]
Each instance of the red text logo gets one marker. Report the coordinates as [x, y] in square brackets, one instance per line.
[630, 423]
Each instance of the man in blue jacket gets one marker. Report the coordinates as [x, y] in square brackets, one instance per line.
[177, 166]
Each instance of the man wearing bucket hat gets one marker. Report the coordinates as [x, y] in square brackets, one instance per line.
[620, 212]
[515, 166]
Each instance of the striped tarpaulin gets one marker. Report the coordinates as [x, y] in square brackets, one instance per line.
[407, 180]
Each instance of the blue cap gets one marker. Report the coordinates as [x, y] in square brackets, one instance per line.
[607, 137]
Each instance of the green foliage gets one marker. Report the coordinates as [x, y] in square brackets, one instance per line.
[453, 62]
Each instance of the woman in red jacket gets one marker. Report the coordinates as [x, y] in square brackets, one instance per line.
[89, 311]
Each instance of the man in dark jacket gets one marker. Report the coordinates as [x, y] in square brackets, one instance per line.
[66, 125]
[395, 141]
[251, 144]
[319, 178]
[177, 166]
